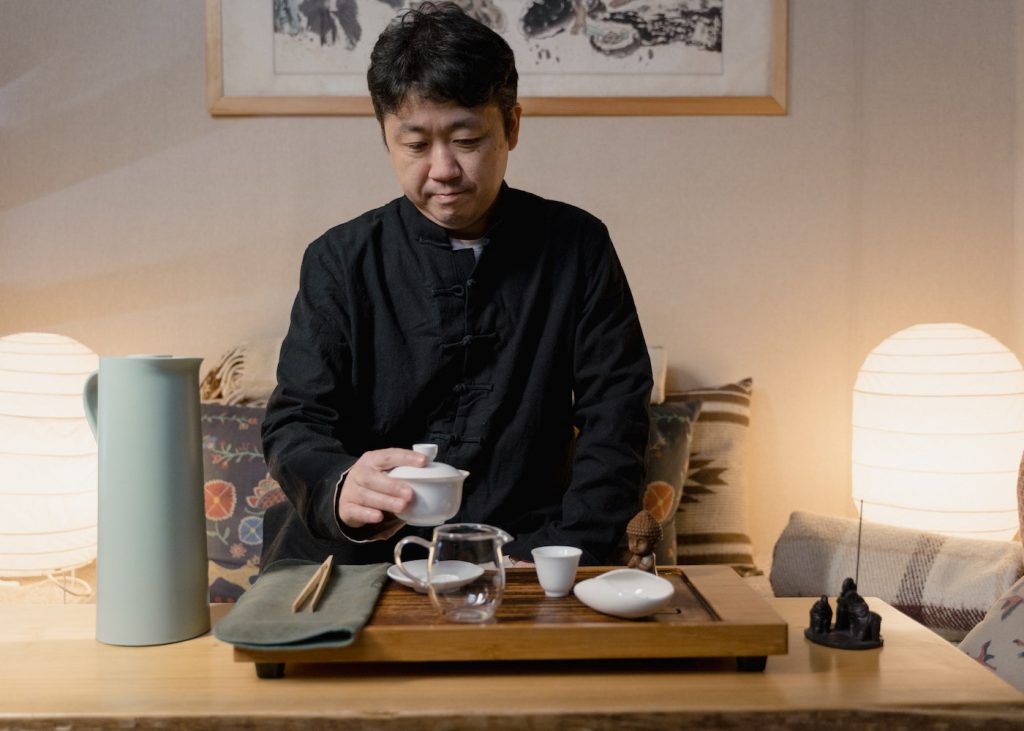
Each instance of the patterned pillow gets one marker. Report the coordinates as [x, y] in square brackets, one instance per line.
[668, 455]
[997, 642]
[237, 491]
[711, 521]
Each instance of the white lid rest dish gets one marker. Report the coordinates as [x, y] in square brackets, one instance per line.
[627, 593]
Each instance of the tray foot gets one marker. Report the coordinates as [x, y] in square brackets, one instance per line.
[752, 664]
[270, 670]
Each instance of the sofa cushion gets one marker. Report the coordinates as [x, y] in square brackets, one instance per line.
[668, 457]
[945, 583]
[237, 490]
[997, 642]
[711, 523]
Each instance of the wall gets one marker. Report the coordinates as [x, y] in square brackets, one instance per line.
[780, 248]
[1018, 188]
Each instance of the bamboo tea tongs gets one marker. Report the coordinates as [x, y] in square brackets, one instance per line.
[315, 586]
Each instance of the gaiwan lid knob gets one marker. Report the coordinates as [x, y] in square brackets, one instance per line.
[433, 470]
[430, 450]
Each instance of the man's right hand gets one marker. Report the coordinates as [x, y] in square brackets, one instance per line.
[368, 492]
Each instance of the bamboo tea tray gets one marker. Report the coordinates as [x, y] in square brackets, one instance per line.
[713, 614]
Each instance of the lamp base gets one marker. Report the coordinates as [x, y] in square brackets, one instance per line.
[66, 580]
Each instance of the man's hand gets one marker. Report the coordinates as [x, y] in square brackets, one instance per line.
[368, 491]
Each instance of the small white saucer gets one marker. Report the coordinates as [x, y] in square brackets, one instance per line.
[447, 574]
[628, 593]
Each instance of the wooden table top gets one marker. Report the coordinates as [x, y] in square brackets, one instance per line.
[55, 673]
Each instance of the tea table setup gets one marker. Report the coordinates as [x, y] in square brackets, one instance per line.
[57, 675]
[453, 641]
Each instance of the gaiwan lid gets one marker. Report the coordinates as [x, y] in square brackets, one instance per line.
[433, 472]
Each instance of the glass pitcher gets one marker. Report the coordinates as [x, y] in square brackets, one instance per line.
[465, 570]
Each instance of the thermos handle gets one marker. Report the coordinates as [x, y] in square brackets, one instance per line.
[90, 395]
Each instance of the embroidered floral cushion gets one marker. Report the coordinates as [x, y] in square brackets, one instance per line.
[237, 491]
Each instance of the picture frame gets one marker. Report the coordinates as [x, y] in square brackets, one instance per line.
[244, 78]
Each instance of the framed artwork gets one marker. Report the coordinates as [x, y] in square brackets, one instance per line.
[575, 57]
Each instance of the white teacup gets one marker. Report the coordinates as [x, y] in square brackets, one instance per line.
[556, 568]
[437, 489]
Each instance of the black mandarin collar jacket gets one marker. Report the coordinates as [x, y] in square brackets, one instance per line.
[528, 369]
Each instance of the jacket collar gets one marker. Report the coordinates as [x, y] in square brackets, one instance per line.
[425, 231]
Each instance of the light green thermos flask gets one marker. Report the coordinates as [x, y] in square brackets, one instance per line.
[151, 569]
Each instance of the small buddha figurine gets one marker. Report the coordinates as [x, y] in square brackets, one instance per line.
[643, 533]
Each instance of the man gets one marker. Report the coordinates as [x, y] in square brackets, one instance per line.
[483, 319]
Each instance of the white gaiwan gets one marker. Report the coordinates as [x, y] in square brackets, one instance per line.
[628, 593]
[437, 489]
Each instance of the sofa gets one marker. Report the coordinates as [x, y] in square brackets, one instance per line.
[694, 486]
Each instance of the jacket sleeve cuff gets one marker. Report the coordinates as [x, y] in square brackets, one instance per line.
[367, 533]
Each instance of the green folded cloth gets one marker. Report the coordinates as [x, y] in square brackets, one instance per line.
[263, 618]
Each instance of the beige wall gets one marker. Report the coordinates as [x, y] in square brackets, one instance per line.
[780, 248]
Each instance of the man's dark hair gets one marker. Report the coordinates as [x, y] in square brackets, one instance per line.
[441, 54]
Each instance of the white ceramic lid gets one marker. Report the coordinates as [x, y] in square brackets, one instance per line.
[433, 472]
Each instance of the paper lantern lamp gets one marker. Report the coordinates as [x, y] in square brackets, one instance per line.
[47, 456]
[938, 432]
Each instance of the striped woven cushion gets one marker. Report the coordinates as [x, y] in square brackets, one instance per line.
[711, 521]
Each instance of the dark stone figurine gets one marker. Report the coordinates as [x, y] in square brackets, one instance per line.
[865, 625]
[846, 594]
[821, 616]
[856, 627]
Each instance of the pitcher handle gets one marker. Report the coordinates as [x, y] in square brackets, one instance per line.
[422, 585]
[90, 395]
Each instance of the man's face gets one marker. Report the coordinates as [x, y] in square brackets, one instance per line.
[450, 160]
